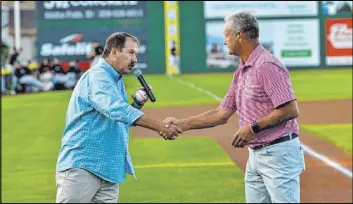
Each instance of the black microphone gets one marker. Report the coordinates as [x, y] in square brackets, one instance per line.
[143, 82]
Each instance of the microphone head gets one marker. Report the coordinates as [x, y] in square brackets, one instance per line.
[137, 72]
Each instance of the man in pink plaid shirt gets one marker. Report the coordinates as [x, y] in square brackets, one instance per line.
[262, 95]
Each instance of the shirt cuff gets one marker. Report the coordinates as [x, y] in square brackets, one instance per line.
[133, 114]
[282, 99]
[228, 105]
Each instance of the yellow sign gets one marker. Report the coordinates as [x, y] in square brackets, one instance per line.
[6, 71]
[172, 40]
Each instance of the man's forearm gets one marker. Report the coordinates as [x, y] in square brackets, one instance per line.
[271, 121]
[150, 123]
[205, 120]
[278, 117]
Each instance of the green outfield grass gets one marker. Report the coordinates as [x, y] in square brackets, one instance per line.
[193, 169]
[31, 135]
[308, 85]
[338, 134]
[168, 171]
[168, 92]
[185, 170]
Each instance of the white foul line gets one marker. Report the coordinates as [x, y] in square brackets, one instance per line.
[199, 164]
[326, 160]
[197, 88]
[308, 150]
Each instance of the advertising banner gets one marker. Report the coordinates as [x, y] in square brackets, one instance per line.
[75, 43]
[294, 42]
[339, 48]
[90, 10]
[217, 52]
[333, 8]
[219, 9]
[171, 22]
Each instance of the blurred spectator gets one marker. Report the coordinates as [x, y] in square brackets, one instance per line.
[6, 78]
[10, 79]
[60, 77]
[49, 75]
[214, 48]
[44, 66]
[15, 56]
[74, 70]
[45, 71]
[95, 53]
[3, 88]
[174, 58]
[24, 78]
[57, 67]
[31, 66]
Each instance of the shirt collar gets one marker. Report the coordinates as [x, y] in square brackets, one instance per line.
[253, 57]
[109, 68]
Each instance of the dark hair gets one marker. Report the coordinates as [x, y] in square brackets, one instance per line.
[117, 40]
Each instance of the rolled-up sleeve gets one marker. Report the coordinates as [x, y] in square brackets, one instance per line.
[276, 82]
[104, 96]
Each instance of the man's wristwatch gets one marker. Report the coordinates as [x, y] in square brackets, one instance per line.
[255, 127]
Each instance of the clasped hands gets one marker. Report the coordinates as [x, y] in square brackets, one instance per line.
[172, 129]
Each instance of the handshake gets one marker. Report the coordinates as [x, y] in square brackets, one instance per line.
[172, 129]
[171, 126]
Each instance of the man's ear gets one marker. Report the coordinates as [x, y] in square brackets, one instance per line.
[237, 36]
[240, 37]
[114, 51]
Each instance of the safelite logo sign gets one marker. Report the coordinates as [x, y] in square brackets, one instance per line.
[339, 37]
[72, 38]
[339, 47]
[69, 45]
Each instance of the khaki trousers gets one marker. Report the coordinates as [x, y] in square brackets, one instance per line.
[78, 185]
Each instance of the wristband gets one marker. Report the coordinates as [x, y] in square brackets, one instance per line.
[136, 104]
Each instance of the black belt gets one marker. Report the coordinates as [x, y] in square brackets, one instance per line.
[276, 141]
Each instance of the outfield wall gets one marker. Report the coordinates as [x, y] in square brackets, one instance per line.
[302, 38]
[306, 34]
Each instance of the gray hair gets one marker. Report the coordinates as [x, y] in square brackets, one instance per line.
[243, 22]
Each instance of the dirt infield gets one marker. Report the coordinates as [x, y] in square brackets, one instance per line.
[319, 182]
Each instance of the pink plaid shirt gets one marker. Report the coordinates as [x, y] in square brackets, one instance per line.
[258, 87]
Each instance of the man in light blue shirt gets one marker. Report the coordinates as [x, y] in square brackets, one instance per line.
[94, 156]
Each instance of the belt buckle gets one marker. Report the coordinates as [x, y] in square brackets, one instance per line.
[262, 146]
[266, 145]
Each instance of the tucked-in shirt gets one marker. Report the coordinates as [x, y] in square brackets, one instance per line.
[98, 118]
[258, 87]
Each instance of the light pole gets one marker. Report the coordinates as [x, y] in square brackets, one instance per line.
[17, 24]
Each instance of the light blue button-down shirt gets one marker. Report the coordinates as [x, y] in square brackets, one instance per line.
[98, 119]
